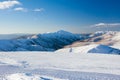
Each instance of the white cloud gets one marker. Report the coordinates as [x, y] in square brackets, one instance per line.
[20, 9]
[8, 4]
[100, 25]
[38, 9]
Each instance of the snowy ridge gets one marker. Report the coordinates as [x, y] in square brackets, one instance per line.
[95, 48]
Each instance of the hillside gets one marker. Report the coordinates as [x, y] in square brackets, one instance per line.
[109, 38]
[39, 42]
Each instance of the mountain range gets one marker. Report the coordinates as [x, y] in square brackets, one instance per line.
[63, 41]
[39, 42]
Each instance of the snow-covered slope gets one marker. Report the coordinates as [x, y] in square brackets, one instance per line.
[116, 40]
[40, 42]
[53, 66]
[95, 48]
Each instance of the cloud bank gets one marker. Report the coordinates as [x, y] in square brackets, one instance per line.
[102, 25]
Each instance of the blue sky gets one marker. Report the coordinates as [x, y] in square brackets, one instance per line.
[39, 16]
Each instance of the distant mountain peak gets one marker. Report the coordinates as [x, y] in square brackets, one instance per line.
[63, 31]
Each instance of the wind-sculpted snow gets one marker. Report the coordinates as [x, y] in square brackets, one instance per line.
[40, 42]
[28, 76]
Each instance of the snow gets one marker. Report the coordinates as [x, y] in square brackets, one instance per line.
[99, 33]
[8, 61]
[116, 40]
[71, 66]
[28, 76]
[104, 49]
[93, 48]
